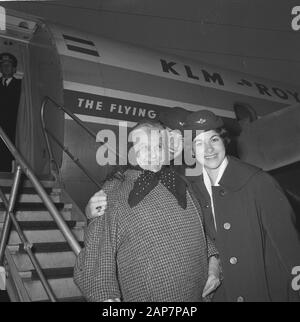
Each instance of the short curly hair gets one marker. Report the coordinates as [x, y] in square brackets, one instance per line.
[224, 135]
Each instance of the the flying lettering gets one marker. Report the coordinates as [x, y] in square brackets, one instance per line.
[91, 104]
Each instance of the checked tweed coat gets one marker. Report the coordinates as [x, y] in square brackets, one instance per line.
[155, 251]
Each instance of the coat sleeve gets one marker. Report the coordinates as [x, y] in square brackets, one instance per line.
[109, 187]
[95, 271]
[278, 220]
[211, 248]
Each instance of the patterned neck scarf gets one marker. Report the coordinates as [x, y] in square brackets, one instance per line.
[148, 180]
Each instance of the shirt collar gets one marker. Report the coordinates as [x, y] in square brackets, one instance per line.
[8, 80]
[206, 178]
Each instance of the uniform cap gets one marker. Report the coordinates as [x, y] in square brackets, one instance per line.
[203, 120]
[174, 118]
[7, 57]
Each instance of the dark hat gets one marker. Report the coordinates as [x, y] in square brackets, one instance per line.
[173, 118]
[7, 57]
[203, 120]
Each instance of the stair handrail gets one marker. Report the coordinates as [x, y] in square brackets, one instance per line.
[55, 170]
[9, 216]
[26, 169]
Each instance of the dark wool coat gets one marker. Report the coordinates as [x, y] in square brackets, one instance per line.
[155, 251]
[256, 236]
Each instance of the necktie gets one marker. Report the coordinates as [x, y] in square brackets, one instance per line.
[5, 82]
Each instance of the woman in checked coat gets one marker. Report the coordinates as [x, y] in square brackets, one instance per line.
[248, 217]
[150, 245]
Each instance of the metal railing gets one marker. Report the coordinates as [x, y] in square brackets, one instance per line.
[46, 132]
[23, 167]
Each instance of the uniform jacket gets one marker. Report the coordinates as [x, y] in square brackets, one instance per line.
[155, 251]
[10, 97]
[256, 237]
[9, 103]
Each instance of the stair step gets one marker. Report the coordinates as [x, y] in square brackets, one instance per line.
[26, 190]
[34, 198]
[26, 206]
[49, 273]
[46, 260]
[44, 247]
[6, 179]
[43, 225]
[52, 247]
[44, 236]
[37, 215]
[62, 288]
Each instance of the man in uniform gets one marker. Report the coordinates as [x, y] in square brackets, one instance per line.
[10, 89]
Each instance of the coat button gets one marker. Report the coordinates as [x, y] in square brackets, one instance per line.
[240, 299]
[227, 226]
[206, 206]
[222, 192]
[233, 260]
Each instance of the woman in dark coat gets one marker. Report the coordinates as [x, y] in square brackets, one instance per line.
[248, 216]
[150, 244]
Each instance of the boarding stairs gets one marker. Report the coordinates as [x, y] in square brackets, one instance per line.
[53, 253]
[41, 227]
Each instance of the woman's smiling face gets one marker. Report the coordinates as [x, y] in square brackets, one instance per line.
[149, 149]
[209, 149]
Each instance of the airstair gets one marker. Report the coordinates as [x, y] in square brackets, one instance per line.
[51, 249]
